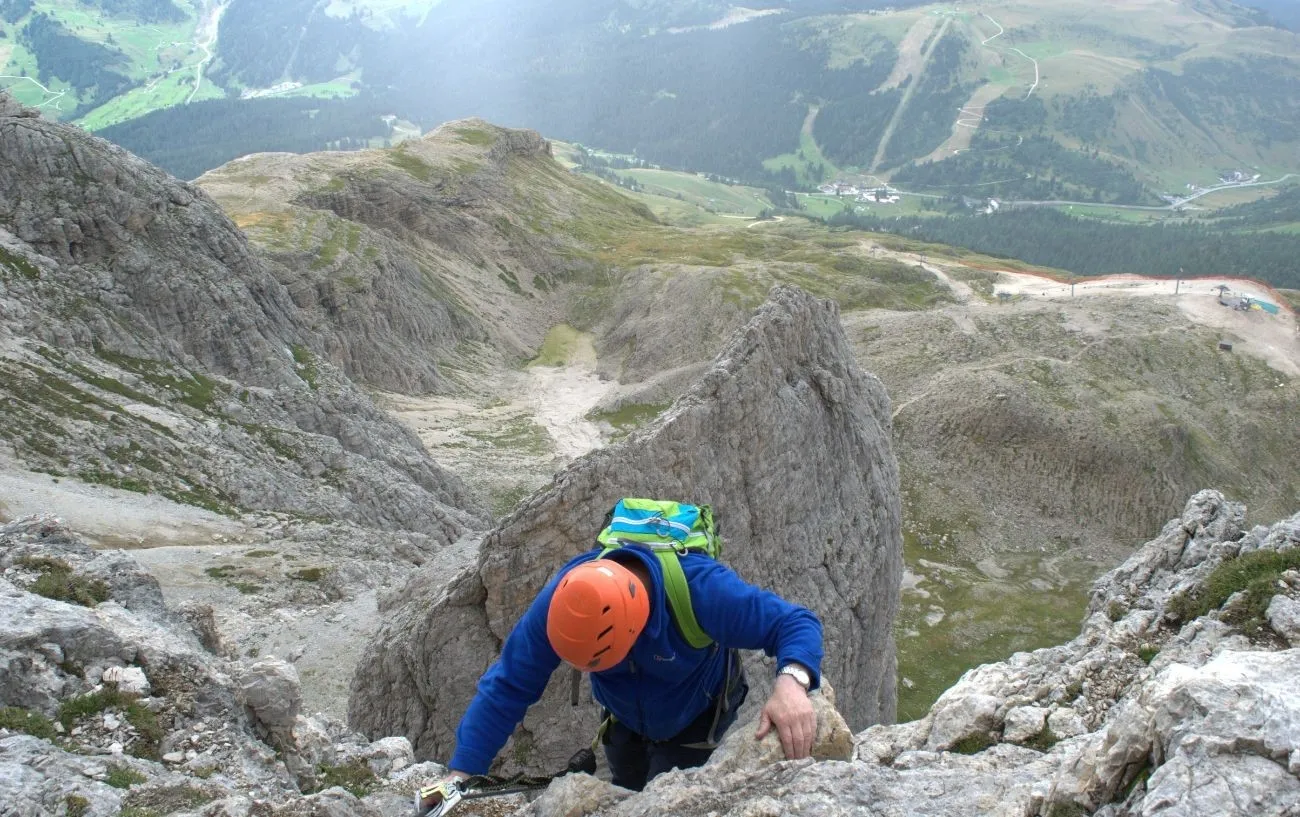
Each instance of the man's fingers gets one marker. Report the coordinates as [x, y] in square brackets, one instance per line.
[788, 738]
[797, 739]
[764, 726]
[809, 733]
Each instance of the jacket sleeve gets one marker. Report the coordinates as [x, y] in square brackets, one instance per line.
[738, 614]
[515, 682]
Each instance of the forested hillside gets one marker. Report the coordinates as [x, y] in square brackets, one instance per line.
[222, 130]
[262, 43]
[1236, 247]
[1015, 155]
[1050, 99]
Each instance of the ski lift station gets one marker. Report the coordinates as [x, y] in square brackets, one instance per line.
[1245, 301]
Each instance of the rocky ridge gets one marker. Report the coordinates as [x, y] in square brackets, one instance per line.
[784, 435]
[411, 262]
[144, 346]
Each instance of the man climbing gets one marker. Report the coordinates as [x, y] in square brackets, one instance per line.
[607, 613]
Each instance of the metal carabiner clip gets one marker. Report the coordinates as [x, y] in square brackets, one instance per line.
[435, 801]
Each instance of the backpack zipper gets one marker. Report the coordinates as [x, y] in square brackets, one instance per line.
[654, 523]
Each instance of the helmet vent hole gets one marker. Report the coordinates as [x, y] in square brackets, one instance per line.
[604, 633]
[606, 610]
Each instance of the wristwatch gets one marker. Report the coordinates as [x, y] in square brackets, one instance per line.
[799, 674]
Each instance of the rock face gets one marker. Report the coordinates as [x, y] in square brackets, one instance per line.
[789, 441]
[108, 708]
[144, 346]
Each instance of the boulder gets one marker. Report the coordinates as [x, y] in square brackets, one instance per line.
[788, 440]
[272, 693]
[741, 750]
[1284, 617]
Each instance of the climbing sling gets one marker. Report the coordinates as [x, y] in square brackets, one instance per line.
[440, 799]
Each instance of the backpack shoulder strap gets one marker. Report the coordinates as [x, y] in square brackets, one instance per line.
[679, 599]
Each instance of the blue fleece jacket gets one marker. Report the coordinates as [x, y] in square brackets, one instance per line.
[664, 683]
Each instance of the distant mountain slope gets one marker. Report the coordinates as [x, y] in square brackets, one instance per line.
[1052, 99]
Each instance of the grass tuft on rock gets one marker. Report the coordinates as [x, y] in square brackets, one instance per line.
[1255, 575]
[58, 582]
[355, 777]
[28, 722]
[1044, 740]
[123, 777]
[972, 744]
[149, 732]
[153, 802]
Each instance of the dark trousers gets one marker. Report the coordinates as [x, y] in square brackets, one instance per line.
[635, 760]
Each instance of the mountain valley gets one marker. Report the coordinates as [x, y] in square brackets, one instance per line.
[302, 434]
[1087, 418]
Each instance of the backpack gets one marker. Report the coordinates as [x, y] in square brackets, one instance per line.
[668, 529]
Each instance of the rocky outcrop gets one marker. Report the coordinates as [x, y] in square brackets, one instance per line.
[1154, 708]
[108, 708]
[784, 435]
[145, 346]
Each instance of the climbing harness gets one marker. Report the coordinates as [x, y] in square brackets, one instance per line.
[440, 799]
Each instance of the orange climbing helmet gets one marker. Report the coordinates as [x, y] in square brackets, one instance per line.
[597, 612]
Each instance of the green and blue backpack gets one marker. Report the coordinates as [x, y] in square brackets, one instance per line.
[669, 529]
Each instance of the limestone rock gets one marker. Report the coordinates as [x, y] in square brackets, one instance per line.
[130, 680]
[1284, 617]
[273, 694]
[1023, 723]
[956, 717]
[574, 795]
[1066, 723]
[740, 750]
[789, 441]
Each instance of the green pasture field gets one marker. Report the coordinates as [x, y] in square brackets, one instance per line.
[149, 48]
[680, 213]
[1101, 212]
[823, 206]
[820, 205]
[340, 88]
[812, 154]
[174, 89]
[18, 64]
[723, 198]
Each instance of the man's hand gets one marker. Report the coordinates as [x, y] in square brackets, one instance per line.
[790, 711]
